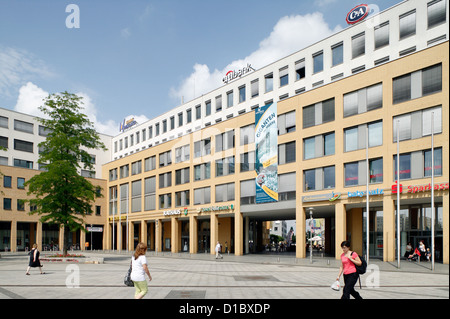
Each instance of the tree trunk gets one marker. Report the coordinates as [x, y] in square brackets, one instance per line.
[66, 240]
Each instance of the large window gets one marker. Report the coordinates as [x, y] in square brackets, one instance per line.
[202, 195]
[318, 146]
[318, 113]
[319, 178]
[363, 100]
[407, 24]
[358, 45]
[337, 52]
[268, 81]
[381, 34]
[436, 12]
[224, 192]
[417, 124]
[318, 62]
[136, 195]
[284, 76]
[149, 193]
[355, 137]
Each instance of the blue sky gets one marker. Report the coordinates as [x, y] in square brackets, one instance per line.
[139, 57]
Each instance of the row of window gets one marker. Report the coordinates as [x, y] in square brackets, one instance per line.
[23, 126]
[7, 182]
[436, 15]
[412, 165]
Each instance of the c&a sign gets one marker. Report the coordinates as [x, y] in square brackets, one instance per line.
[357, 14]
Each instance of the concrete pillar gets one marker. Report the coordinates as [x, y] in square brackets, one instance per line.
[445, 226]
[39, 235]
[193, 235]
[214, 223]
[300, 231]
[174, 235]
[389, 229]
[158, 230]
[13, 242]
[341, 227]
[143, 237]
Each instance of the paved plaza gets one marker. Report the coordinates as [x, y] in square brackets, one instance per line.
[201, 276]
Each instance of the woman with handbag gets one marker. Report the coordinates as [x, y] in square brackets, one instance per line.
[348, 261]
[34, 260]
[138, 270]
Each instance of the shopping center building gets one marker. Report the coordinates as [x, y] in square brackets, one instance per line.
[303, 137]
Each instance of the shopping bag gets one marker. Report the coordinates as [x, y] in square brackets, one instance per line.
[336, 285]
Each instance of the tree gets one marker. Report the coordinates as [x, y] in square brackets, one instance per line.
[61, 195]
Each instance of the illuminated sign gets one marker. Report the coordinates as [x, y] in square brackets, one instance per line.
[413, 189]
[231, 75]
[126, 125]
[216, 208]
[176, 212]
[377, 191]
[357, 14]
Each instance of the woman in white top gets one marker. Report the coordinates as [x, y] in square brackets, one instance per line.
[138, 270]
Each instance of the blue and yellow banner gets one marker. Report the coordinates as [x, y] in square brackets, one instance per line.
[266, 159]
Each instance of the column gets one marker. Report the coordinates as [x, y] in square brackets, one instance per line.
[13, 239]
[389, 229]
[300, 230]
[214, 222]
[445, 226]
[143, 238]
[61, 238]
[83, 239]
[238, 234]
[193, 235]
[39, 235]
[174, 227]
[158, 226]
[341, 227]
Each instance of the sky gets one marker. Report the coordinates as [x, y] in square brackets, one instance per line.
[139, 58]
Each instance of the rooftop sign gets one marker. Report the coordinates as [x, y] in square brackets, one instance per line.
[126, 125]
[357, 14]
[231, 75]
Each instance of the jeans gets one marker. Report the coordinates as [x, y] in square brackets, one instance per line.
[349, 288]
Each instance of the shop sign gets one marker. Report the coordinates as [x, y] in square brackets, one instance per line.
[176, 212]
[126, 125]
[357, 14]
[216, 208]
[231, 75]
[95, 229]
[323, 197]
[377, 191]
[413, 189]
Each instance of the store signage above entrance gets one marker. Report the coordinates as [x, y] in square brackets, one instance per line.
[413, 189]
[357, 14]
[126, 125]
[176, 212]
[377, 191]
[231, 75]
[331, 197]
[216, 208]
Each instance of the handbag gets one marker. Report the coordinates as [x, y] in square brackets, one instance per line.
[127, 279]
[336, 285]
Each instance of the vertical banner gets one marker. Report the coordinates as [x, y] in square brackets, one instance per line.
[266, 159]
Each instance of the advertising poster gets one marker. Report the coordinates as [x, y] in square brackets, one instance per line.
[266, 159]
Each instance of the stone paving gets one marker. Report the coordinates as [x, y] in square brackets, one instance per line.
[201, 276]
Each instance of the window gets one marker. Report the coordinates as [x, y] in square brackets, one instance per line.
[23, 163]
[363, 100]
[329, 179]
[309, 148]
[355, 136]
[247, 162]
[254, 87]
[182, 198]
[23, 126]
[300, 70]
[126, 141]
[149, 193]
[113, 174]
[375, 133]
[43, 131]
[7, 181]
[208, 108]
[182, 153]
[124, 171]
[405, 166]
[432, 79]
[20, 183]
[225, 141]
[188, 116]
[20, 205]
[165, 180]
[248, 192]
[198, 112]
[436, 13]
[284, 76]
[437, 162]
[417, 124]
[3, 121]
[113, 200]
[144, 137]
[247, 134]
[286, 153]
[180, 119]
[407, 23]
[165, 159]
[3, 141]
[182, 176]
[202, 196]
[224, 192]
[337, 54]
[202, 148]
[218, 103]
[376, 170]
[7, 203]
[225, 166]
[24, 146]
[319, 178]
[136, 168]
[242, 94]
[381, 34]
[172, 124]
[229, 99]
[402, 89]
[318, 113]
[202, 171]
[286, 123]
[328, 144]
[358, 45]
[136, 195]
[318, 62]
[150, 163]
[351, 174]
[124, 198]
[286, 186]
[165, 201]
[156, 129]
[164, 125]
[318, 146]
[268, 81]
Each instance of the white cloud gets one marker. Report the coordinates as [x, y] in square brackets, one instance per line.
[17, 68]
[31, 97]
[289, 35]
[125, 33]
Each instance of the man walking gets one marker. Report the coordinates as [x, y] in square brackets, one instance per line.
[218, 254]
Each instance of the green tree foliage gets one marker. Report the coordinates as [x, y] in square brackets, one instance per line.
[61, 195]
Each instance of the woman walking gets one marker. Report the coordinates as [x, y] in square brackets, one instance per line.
[348, 261]
[34, 260]
[138, 270]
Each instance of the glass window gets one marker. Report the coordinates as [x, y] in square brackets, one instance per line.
[188, 116]
[351, 139]
[432, 79]
[230, 99]
[21, 182]
[310, 179]
[23, 126]
[242, 94]
[328, 142]
[374, 97]
[436, 13]
[376, 170]
[403, 122]
[351, 104]
[24, 146]
[407, 24]
[7, 181]
[358, 45]
[208, 108]
[198, 112]
[437, 120]
[328, 110]
[300, 71]
[375, 134]
[351, 174]
[437, 162]
[337, 52]
[381, 34]
[254, 86]
[218, 103]
[268, 79]
[402, 88]
[7, 203]
[328, 177]
[318, 62]
[284, 76]
[405, 166]
[309, 148]
[309, 116]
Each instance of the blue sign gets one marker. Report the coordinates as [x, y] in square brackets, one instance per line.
[357, 14]
[266, 159]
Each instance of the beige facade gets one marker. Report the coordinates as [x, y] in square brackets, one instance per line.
[154, 216]
[19, 230]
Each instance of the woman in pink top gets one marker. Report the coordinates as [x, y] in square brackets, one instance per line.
[349, 259]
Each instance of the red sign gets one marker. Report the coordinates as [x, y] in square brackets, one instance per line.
[413, 189]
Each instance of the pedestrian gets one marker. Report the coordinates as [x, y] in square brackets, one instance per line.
[348, 261]
[218, 254]
[226, 248]
[34, 260]
[138, 270]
